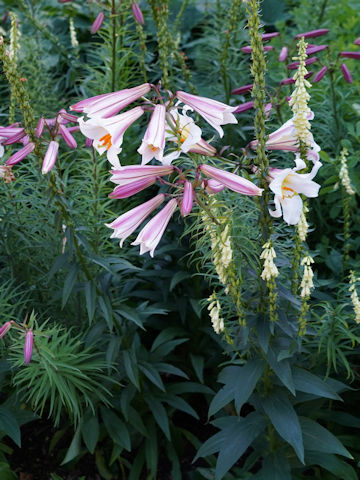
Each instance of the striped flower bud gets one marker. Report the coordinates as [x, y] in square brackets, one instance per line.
[346, 73]
[355, 55]
[283, 54]
[320, 74]
[187, 200]
[28, 347]
[97, 23]
[4, 329]
[313, 33]
[50, 157]
[243, 89]
[139, 17]
[21, 154]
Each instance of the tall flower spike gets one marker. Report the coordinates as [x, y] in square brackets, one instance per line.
[214, 312]
[307, 280]
[354, 296]
[300, 97]
[344, 172]
[269, 268]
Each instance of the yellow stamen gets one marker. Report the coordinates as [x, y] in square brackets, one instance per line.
[106, 141]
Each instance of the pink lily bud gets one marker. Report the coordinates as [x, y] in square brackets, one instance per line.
[50, 157]
[283, 54]
[355, 55]
[139, 17]
[15, 138]
[231, 180]
[212, 186]
[50, 122]
[75, 128]
[203, 148]
[133, 173]
[28, 347]
[315, 49]
[124, 191]
[346, 73]
[153, 143]
[21, 154]
[243, 89]
[269, 36]
[320, 74]
[214, 112]
[4, 329]
[287, 81]
[357, 41]
[268, 108]
[248, 49]
[69, 139]
[313, 33]
[40, 127]
[25, 140]
[7, 132]
[294, 65]
[187, 200]
[244, 106]
[67, 116]
[151, 234]
[97, 23]
[6, 173]
[308, 75]
[88, 142]
[128, 222]
[108, 104]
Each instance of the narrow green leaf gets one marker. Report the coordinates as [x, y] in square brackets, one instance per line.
[69, 283]
[131, 369]
[333, 464]
[90, 297]
[90, 432]
[130, 314]
[282, 370]
[152, 374]
[74, 449]
[197, 362]
[177, 278]
[285, 420]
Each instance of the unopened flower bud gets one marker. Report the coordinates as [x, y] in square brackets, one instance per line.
[187, 200]
[313, 33]
[97, 23]
[28, 347]
[283, 54]
[139, 17]
[346, 73]
[4, 329]
[320, 74]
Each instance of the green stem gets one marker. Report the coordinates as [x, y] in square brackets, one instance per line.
[333, 98]
[113, 64]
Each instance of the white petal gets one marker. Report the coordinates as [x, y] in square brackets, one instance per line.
[292, 208]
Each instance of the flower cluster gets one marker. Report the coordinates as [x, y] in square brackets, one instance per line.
[307, 280]
[214, 311]
[269, 269]
[354, 296]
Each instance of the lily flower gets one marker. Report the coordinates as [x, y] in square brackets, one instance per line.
[133, 173]
[129, 189]
[151, 234]
[214, 112]
[50, 157]
[284, 138]
[153, 143]
[231, 180]
[183, 131]
[108, 104]
[128, 222]
[287, 185]
[108, 133]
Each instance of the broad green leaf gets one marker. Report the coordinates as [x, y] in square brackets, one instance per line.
[131, 368]
[151, 450]
[239, 385]
[137, 465]
[309, 383]
[285, 420]
[239, 437]
[168, 368]
[136, 421]
[159, 413]
[282, 370]
[165, 335]
[319, 439]
[90, 432]
[9, 425]
[69, 283]
[180, 404]
[74, 449]
[198, 364]
[333, 464]
[130, 314]
[177, 278]
[152, 374]
[275, 467]
[116, 428]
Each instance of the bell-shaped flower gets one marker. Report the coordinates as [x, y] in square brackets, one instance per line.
[285, 139]
[50, 157]
[188, 199]
[107, 133]
[287, 185]
[214, 112]
[151, 234]
[231, 180]
[153, 143]
[128, 222]
[108, 104]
